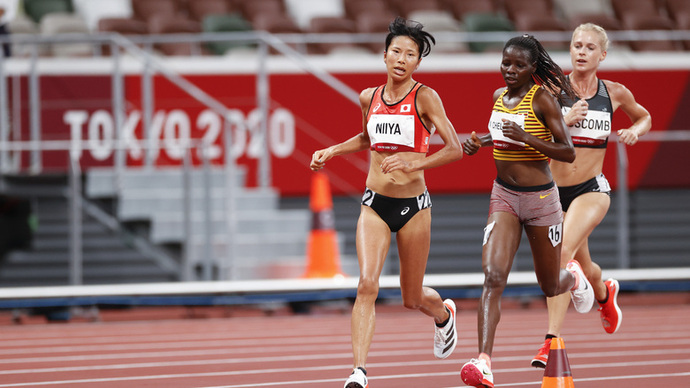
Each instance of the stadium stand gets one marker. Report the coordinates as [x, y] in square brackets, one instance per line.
[36, 9]
[24, 26]
[405, 7]
[679, 10]
[295, 16]
[147, 9]
[486, 22]
[66, 23]
[251, 9]
[93, 11]
[355, 8]
[233, 22]
[330, 25]
[174, 24]
[374, 22]
[461, 8]
[199, 9]
[303, 11]
[436, 21]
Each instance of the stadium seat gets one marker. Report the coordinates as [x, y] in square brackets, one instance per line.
[354, 8]
[486, 22]
[24, 26]
[624, 9]
[303, 11]
[405, 7]
[679, 10]
[199, 9]
[373, 23]
[93, 11]
[650, 23]
[147, 9]
[123, 26]
[56, 23]
[331, 25]
[436, 21]
[277, 24]
[165, 24]
[609, 23]
[570, 9]
[36, 9]
[460, 8]
[251, 9]
[516, 8]
[225, 23]
[534, 23]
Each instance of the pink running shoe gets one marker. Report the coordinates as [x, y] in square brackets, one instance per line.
[476, 373]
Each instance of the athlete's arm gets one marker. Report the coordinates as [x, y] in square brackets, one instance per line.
[548, 111]
[356, 143]
[433, 114]
[642, 121]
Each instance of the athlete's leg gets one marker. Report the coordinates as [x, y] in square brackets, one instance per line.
[413, 248]
[502, 238]
[373, 239]
[584, 214]
[546, 254]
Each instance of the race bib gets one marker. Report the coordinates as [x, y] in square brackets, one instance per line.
[593, 129]
[496, 125]
[391, 129]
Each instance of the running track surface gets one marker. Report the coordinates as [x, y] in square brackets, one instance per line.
[246, 347]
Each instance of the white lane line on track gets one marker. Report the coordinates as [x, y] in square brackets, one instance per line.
[387, 377]
[605, 355]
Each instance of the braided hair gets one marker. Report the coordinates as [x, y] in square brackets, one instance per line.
[413, 30]
[547, 74]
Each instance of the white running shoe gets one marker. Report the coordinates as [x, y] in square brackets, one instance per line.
[583, 295]
[446, 337]
[357, 379]
[476, 373]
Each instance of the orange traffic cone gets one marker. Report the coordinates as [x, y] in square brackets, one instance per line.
[322, 248]
[557, 372]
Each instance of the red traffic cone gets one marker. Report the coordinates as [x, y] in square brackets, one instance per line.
[557, 372]
[323, 257]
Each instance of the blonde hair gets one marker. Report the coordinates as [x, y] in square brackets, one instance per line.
[603, 38]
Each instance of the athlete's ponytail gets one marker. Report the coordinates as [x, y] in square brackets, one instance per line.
[547, 73]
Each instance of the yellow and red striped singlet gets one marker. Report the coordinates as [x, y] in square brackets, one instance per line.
[523, 114]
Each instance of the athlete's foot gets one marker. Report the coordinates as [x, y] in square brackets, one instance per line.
[583, 294]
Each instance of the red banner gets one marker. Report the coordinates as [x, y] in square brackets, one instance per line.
[306, 115]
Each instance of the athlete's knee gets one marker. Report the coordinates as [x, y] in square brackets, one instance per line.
[494, 278]
[549, 288]
[367, 287]
[412, 303]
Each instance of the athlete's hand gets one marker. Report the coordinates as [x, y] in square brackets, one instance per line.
[395, 163]
[319, 159]
[627, 136]
[512, 130]
[577, 113]
[472, 144]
